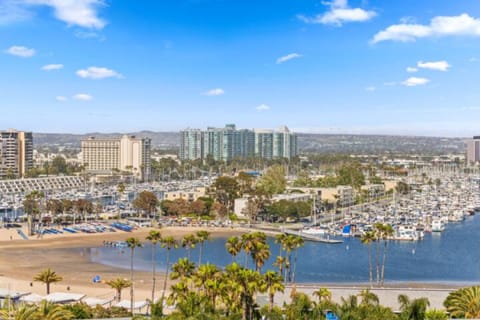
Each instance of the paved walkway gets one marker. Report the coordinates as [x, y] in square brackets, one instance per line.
[387, 296]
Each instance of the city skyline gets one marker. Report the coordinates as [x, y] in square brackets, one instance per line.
[361, 67]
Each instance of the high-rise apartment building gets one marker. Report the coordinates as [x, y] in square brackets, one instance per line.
[16, 153]
[105, 156]
[473, 150]
[228, 143]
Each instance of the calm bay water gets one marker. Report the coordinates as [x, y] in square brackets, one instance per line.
[450, 257]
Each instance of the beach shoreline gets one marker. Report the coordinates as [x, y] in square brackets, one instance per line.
[66, 254]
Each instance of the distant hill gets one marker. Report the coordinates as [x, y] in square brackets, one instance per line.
[319, 143]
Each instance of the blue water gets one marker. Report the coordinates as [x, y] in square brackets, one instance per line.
[450, 257]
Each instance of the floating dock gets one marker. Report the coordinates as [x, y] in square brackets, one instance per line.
[310, 237]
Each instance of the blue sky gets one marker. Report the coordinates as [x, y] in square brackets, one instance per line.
[389, 67]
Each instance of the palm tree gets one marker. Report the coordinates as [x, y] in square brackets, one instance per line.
[188, 242]
[414, 309]
[248, 240]
[464, 303]
[273, 283]
[168, 243]
[119, 284]
[260, 254]
[323, 294]
[22, 312]
[50, 311]
[154, 237]
[48, 276]
[298, 243]
[182, 270]
[367, 239]
[280, 262]
[132, 243]
[202, 236]
[233, 246]
[368, 298]
[208, 278]
[386, 234]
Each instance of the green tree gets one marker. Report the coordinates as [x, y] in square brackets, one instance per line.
[188, 242]
[154, 236]
[202, 236]
[413, 309]
[132, 243]
[273, 181]
[274, 283]
[233, 246]
[118, 285]
[48, 276]
[147, 202]
[226, 190]
[168, 243]
[464, 303]
[367, 239]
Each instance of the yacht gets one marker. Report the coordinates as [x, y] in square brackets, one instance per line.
[437, 226]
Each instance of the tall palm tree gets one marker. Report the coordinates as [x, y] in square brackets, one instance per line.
[386, 235]
[298, 242]
[202, 236]
[182, 270]
[260, 254]
[168, 243]
[132, 243]
[154, 237]
[188, 242]
[207, 278]
[248, 240]
[233, 246]
[119, 284]
[48, 276]
[280, 263]
[464, 303]
[274, 284]
[378, 227]
[367, 239]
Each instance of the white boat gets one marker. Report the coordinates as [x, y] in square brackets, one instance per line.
[315, 231]
[437, 226]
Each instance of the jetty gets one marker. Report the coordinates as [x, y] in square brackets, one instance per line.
[313, 238]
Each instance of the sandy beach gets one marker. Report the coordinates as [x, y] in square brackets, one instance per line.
[21, 260]
[67, 254]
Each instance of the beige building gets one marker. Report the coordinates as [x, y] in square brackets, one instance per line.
[189, 195]
[105, 156]
[473, 150]
[343, 196]
[16, 153]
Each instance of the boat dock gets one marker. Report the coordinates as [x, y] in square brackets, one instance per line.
[309, 237]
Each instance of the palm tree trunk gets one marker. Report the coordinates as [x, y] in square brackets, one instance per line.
[154, 262]
[119, 294]
[383, 263]
[131, 280]
[294, 266]
[270, 308]
[377, 257]
[370, 267]
[200, 255]
[244, 307]
[166, 275]
[48, 288]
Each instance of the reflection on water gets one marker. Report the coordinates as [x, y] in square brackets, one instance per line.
[452, 256]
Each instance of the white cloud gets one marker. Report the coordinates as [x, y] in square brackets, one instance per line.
[473, 59]
[390, 84]
[371, 89]
[339, 14]
[83, 97]
[50, 67]
[263, 107]
[21, 51]
[214, 92]
[98, 73]
[288, 57]
[82, 13]
[435, 65]
[61, 98]
[462, 25]
[414, 81]
[11, 11]
[411, 69]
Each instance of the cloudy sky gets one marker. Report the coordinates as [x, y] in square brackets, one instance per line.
[390, 67]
